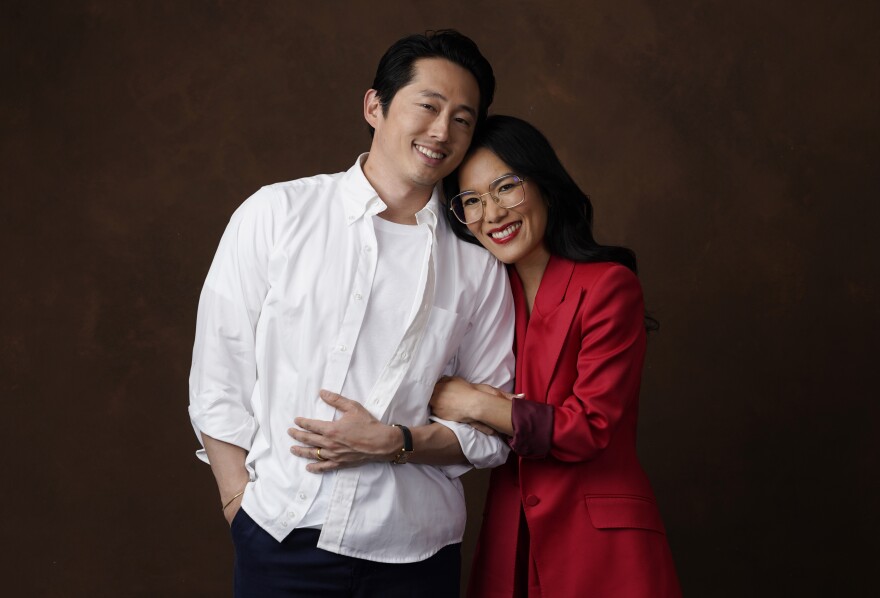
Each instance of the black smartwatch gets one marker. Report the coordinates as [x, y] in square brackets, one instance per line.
[407, 450]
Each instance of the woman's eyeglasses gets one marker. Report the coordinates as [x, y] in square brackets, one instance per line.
[506, 191]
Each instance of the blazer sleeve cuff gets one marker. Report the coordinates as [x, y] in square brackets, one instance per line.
[532, 428]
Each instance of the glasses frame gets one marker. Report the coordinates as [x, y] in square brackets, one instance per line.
[521, 183]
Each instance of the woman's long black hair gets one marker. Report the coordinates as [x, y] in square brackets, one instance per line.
[569, 231]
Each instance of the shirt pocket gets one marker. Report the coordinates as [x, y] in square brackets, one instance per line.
[443, 333]
[608, 511]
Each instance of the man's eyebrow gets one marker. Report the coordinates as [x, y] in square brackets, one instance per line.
[428, 93]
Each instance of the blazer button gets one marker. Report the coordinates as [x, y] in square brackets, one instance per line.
[532, 500]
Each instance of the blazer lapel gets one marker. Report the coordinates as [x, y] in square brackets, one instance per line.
[548, 328]
[522, 321]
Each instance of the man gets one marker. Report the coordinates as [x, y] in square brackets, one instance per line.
[352, 285]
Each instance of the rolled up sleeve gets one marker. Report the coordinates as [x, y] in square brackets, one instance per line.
[485, 356]
[224, 372]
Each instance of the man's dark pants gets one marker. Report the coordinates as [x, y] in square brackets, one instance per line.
[295, 567]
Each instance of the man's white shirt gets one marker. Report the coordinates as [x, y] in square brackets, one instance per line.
[279, 318]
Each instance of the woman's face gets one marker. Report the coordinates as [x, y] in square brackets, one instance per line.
[513, 235]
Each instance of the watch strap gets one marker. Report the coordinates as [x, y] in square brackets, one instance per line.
[403, 456]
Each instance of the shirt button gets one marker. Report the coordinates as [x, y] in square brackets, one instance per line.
[302, 496]
[532, 500]
[404, 355]
[342, 348]
[291, 514]
[358, 296]
[283, 524]
[368, 249]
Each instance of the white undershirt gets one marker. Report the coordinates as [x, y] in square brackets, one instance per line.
[401, 250]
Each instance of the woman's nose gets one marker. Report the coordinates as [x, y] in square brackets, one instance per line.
[492, 212]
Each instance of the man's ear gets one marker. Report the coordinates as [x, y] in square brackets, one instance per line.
[372, 107]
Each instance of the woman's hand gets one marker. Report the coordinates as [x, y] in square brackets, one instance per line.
[452, 399]
[456, 399]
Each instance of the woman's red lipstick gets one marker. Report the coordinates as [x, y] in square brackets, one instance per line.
[512, 229]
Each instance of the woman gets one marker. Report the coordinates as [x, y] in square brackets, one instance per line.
[571, 513]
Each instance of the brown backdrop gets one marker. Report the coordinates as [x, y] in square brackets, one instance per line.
[733, 145]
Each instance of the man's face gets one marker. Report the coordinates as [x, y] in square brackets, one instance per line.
[428, 127]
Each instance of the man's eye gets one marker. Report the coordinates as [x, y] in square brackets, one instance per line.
[427, 106]
[463, 121]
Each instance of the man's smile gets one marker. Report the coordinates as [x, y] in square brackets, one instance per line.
[429, 153]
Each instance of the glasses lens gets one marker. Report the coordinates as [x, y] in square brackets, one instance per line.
[509, 191]
[467, 207]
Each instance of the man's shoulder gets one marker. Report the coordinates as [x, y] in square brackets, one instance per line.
[294, 195]
[309, 184]
[281, 204]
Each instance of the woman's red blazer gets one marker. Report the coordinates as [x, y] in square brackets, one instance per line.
[593, 521]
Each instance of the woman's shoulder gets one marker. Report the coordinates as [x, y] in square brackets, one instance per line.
[609, 288]
[591, 273]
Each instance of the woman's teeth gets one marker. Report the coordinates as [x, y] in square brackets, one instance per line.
[506, 232]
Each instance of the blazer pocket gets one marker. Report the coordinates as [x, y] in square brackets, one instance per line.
[624, 512]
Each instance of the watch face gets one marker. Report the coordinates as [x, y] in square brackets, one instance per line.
[402, 457]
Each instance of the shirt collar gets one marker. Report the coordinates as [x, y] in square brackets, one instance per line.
[362, 200]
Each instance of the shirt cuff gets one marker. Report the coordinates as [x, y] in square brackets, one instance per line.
[532, 428]
[481, 450]
[240, 432]
[456, 470]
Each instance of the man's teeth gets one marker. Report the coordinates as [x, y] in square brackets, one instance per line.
[506, 232]
[429, 153]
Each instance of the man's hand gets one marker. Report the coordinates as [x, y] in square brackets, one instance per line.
[231, 510]
[355, 438]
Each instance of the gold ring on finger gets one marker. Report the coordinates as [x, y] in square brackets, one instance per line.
[318, 455]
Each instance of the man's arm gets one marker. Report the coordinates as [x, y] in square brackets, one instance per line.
[227, 464]
[223, 374]
[357, 437]
[485, 357]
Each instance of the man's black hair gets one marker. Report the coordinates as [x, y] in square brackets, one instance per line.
[397, 67]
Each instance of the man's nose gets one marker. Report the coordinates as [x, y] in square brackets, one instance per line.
[440, 128]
